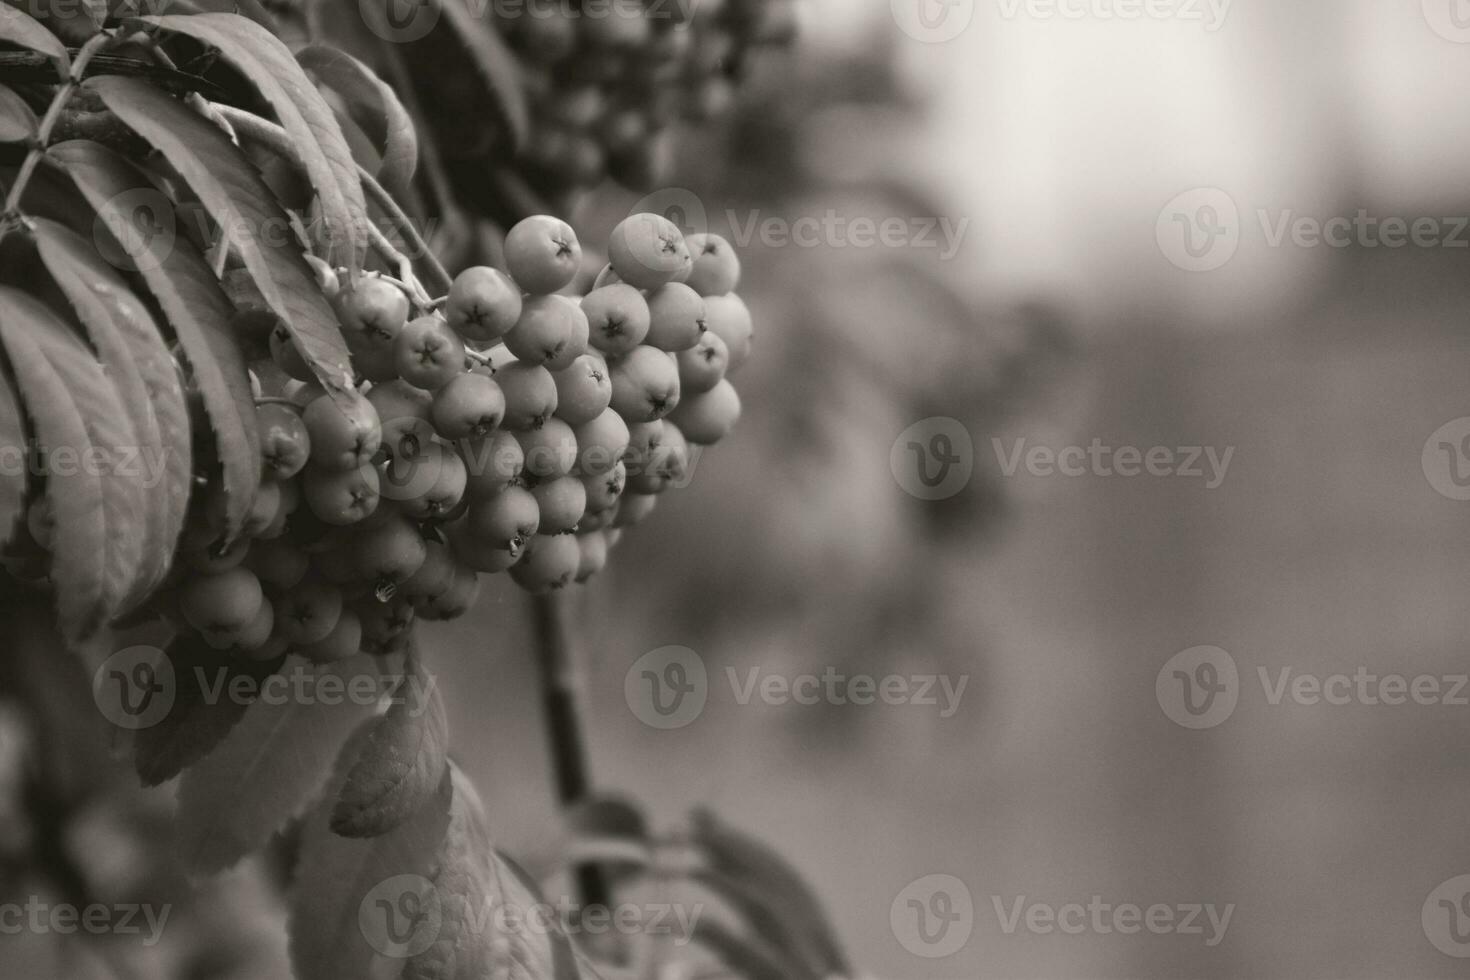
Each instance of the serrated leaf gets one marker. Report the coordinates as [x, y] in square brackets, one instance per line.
[17, 122]
[268, 64]
[401, 764]
[772, 896]
[75, 499]
[20, 28]
[197, 309]
[202, 712]
[273, 763]
[111, 452]
[241, 204]
[496, 64]
[373, 105]
[132, 351]
[338, 929]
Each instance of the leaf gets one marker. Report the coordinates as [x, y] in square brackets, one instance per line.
[401, 764]
[272, 764]
[240, 203]
[373, 105]
[17, 122]
[768, 891]
[194, 305]
[268, 64]
[338, 929]
[496, 64]
[19, 28]
[76, 499]
[130, 348]
[201, 714]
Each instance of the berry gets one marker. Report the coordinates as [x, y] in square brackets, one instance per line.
[708, 417]
[593, 550]
[550, 451]
[372, 314]
[668, 466]
[551, 563]
[471, 406]
[309, 612]
[285, 445]
[703, 366]
[597, 520]
[341, 497]
[505, 522]
[427, 486]
[279, 563]
[716, 266]
[483, 304]
[633, 508]
[561, 503]
[644, 438]
[550, 330]
[253, 639]
[601, 443]
[456, 600]
[428, 354]
[617, 318]
[542, 254]
[344, 641]
[491, 462]
[265, 507]
[342, 436]
[530, 394]
[729, 317]
[403, 417]
[387, 555]
[434, 576]
[645, 384]
[287, 355]
[383, 623]
[219, 606]
[604, 489]
[676, 317]
[211, 559]
[606, 277]
[647, 250]
[583, 390]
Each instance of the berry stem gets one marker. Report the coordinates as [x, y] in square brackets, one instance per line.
[561, 689]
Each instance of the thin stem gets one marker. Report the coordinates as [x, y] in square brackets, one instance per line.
[53, 116]
[561, 684]
[403, 224]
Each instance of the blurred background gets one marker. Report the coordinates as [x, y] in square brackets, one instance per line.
[1138, 249]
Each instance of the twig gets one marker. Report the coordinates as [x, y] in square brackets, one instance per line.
[560, 690]
[403, 224]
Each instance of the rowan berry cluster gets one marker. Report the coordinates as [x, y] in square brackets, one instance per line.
[506, 427]
[608, 77]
